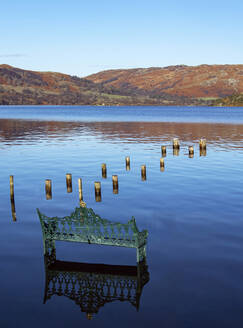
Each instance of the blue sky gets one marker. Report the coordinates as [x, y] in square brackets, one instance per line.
[83, 37]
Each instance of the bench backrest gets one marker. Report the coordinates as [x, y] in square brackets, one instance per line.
[83, 225]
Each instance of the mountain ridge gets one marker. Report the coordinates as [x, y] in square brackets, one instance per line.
[190, 81]
[171, 85]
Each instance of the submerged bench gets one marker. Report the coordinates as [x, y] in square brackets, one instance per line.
[84, 226]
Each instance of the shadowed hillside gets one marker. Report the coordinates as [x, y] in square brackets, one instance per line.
[234, 100]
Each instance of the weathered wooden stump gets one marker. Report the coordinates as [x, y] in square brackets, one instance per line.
[115, 184]
[104, 171]
[80, 190]
[69, 182]
[191, 151]
[97, 191]
[202, 144]
[162, 165]
[127, 163]
[176, 143]
[163, 151]
[48, 188]
[143, 172]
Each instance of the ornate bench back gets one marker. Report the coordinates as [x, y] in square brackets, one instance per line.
[83, 225]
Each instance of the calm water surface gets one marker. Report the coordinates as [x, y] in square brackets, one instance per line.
[193, 211]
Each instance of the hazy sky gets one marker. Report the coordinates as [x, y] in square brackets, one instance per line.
[82, 37]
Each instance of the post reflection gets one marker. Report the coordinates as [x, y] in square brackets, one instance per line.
[91, 285]
[203, 152]
[12, 201]
[176, 151]
[13, 210]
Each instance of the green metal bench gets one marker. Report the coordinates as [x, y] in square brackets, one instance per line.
[84, 226]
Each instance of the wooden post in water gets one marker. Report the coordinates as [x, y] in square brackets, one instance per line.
[191, 151]
[202, 144]
[97, 191]
[48, 189]
[162, 164]
[69, 182]
[163, 151]
[104, 171]
[143, 172]
[115, 184]
[11, 186]
[203, 147]
[176, 151]
[176, 143]
[80, 190]
[127, 163]
[13, 210]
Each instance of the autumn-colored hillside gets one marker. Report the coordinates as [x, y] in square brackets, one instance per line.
[23, 87]
[19, 86]
[206, 81]
[173, 85]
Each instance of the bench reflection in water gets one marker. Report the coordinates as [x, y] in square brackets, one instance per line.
[91, 286]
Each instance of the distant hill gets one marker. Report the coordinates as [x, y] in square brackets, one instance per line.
[19, 86]
[173, 85]
[204, 81]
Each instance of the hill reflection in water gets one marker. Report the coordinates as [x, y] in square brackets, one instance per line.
[17, 131]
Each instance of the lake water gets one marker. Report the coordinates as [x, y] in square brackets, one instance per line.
[193, 211]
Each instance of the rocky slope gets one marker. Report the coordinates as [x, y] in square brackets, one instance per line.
[204, 81]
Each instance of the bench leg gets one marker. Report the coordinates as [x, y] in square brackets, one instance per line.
[49, 247]
[141, 253]
[49, 252]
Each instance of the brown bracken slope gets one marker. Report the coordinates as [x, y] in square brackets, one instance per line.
[173, 85]
[191, 81]
[19, 86]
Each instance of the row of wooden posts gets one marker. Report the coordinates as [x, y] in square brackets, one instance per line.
[97, 184]
[176, 148]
